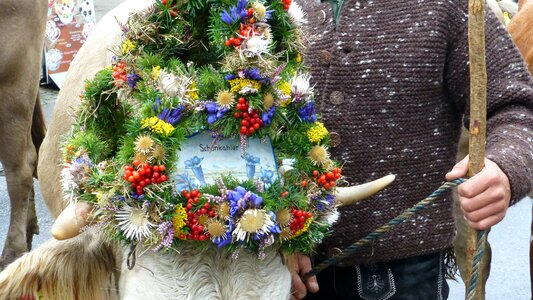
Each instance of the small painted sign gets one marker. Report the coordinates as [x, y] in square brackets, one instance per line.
[204, 159]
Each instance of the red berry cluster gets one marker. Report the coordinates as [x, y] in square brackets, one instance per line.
[246, 30]
[328, 179]
[250, 120]
[197, 230]
[286, 4]
[144, 175]
[119, 74]
[299, 217]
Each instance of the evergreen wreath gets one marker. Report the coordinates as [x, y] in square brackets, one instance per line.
[232, 68]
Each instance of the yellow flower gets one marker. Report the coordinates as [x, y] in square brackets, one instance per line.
[193, 91]
[268, 100]
[156, 71]
[316, 133]
[127, 46]
[179, 219]
[159, 152]
[319, 155]
[304, 229]
[144, 144]
[245, 85]
[298, 58]
[157, 125]
[225, 99]
[284, 87]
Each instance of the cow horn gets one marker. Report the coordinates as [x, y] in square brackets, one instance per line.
[353, 194]
[71, 220]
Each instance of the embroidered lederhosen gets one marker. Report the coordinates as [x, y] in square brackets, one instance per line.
[416, 278]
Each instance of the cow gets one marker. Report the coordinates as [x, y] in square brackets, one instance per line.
[89, 266]
[22, 25]
[521, 30]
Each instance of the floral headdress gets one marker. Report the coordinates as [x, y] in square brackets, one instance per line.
[232, 68]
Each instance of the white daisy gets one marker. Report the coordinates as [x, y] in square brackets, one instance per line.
[253, 221]
[134, 223]
[296, 14]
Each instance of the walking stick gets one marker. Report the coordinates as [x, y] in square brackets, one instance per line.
[478, 116]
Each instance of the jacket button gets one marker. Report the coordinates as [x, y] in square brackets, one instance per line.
[325, 57]
[336, 97]
[334, 139]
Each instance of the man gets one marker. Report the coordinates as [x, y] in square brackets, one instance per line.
[393, 83]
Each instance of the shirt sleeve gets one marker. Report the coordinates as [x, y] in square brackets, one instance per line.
[509, 100]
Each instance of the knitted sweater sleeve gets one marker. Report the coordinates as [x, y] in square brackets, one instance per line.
[509, 99]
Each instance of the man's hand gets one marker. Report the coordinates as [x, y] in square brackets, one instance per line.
[485, 197]
[300, 266]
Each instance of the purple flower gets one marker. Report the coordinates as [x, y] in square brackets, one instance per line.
[307, 112]
[172, 115]
[230, 77]
[133, 78]
[240, 199]
[236, 13]
[267, 115]
[252, 73]
[169, 115]
[323, 203]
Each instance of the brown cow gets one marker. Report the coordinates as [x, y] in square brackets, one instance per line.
[22, 25]
[521, 30]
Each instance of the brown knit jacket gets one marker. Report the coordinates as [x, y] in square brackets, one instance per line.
[393, 85]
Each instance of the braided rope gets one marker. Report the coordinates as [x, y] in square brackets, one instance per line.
[476, 260]
[383, 229]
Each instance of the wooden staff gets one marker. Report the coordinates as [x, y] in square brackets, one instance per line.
[478, 119]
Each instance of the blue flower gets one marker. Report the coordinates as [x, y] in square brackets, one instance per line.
[169, 115]
[236, 13]
[251, 159]
[267, 115]
[326, 202]
[307, 113]
[252, 73]
[240, 199]
[230, 77]
[266, 176]
[172, 115]
[184, 182]
[133, 78]
[214, 112]
[195, 161]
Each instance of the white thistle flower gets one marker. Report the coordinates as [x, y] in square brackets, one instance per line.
[301, 86]
[256, 46]
[330, 218]
[296, 14]
[174, 86]
[253, 221]
[134, 223]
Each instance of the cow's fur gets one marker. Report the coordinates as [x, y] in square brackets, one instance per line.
[85, 267]
[521, 30]
[22, 129]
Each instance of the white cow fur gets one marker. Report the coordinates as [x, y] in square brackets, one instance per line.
[210, 274]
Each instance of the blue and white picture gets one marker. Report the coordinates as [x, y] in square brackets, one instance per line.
[204, 159]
